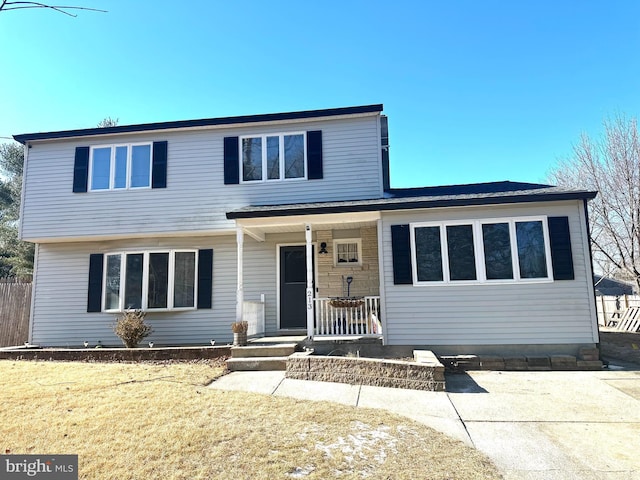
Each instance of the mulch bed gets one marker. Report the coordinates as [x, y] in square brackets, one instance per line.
[620, 346]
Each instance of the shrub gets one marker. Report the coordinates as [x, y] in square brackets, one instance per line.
[240, 327]
[131, 329]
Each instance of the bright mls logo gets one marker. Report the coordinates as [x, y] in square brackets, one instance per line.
[50, 467]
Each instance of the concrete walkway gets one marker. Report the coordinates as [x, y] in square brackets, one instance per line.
[533, 425]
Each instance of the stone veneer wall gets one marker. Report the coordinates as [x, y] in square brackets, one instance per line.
[116, 354]
[418, 375]
[366, 278]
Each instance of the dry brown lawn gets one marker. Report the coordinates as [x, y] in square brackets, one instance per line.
[145, 421]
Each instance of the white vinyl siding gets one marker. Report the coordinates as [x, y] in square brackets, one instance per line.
[196, 200]
[491, 313]
[60, 305]
[60, 315]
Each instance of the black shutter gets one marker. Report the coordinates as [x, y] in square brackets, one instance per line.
[205, 277]
[561, 256]
[159, 165]
[94, 296]
[81, 170]
[314, 155]
[231, 161]
[401, 254]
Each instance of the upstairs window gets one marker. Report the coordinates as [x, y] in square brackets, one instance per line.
[157, 280]
[273, 157]
[509, 250]
[114, 167]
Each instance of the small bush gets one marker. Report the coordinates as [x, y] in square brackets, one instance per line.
[131, 329]
[240, 327]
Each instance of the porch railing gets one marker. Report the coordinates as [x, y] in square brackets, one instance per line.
[336, 317]
[253, 313]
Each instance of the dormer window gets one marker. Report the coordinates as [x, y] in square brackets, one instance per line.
[273, 157]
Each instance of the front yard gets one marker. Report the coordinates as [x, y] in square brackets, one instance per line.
[159, 420]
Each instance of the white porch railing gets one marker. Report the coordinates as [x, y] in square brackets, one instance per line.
[347, 316]
[253, 314]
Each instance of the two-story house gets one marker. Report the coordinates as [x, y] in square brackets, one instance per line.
[195, 221]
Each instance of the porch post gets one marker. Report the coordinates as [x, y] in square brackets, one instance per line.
[309, 251]
[381, 253]
[240, 288]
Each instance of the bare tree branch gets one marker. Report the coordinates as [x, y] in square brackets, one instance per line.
[610, 165]
[6, 6]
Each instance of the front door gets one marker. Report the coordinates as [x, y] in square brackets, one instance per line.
[293, 287]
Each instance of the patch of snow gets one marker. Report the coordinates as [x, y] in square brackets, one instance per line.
[365, 443]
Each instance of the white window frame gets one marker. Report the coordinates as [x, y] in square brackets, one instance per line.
[478, 246]
[343, 241]
[280, 136]
[112, 166]
[145, 280]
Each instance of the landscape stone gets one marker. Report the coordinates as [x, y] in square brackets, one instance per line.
[515, 363]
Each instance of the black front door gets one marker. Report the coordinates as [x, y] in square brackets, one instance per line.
[293, 287]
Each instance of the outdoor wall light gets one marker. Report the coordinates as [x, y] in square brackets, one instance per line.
[86, 344]
[323, 248]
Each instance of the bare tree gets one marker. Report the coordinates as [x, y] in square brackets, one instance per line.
[108, 122]
[6, 6]
[610, 165]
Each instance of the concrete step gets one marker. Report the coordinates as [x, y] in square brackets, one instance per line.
[257, 364]
[249, 351]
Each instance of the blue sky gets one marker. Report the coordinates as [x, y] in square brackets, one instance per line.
[475, 91]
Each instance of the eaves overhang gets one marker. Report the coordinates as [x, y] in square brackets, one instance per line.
[205, 122]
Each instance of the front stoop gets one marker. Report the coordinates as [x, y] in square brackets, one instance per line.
[260, 357]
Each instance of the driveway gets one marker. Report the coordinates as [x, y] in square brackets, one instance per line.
[553, 425]
[533, 425]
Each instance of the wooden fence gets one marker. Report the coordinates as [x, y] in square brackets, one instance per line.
[613, 308]
[15, 305]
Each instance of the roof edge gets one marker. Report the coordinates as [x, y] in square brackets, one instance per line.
[204, 122]
[413, 205]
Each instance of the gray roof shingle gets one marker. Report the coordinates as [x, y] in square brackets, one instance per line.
[424, 197]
